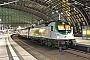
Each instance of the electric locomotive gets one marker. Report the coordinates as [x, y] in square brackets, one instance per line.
[55, 34]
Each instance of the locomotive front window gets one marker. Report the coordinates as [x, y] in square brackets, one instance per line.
[67, 27]
[61, 27]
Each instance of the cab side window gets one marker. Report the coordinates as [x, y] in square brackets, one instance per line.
[51, 28]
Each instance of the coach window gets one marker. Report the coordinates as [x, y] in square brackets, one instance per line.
[51, 28]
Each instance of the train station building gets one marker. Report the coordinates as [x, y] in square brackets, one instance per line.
[44, 29]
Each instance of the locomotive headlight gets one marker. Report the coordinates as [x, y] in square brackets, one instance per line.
[58, 37]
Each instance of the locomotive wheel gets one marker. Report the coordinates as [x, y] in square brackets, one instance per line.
[49, 45]
[65, 47]
[41, 42]
[52, 46]
[46, 43]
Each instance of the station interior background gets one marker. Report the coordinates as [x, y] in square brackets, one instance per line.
[27, 13]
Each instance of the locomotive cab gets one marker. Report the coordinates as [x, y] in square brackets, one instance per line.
[64, 28]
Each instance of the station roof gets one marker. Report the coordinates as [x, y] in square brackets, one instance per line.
[77, 12]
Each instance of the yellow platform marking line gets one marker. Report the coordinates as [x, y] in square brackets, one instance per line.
[39, 51]
[77, 54]
[14, 55]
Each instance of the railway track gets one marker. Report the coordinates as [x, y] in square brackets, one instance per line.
[35, 51]
[77, 53]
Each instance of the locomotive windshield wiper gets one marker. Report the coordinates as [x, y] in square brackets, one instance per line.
[64, 27]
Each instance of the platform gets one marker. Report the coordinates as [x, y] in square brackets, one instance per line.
[10, 50]
[81, 44]
[79, 40]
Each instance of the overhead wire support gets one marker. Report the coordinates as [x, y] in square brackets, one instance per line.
[8, 3]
